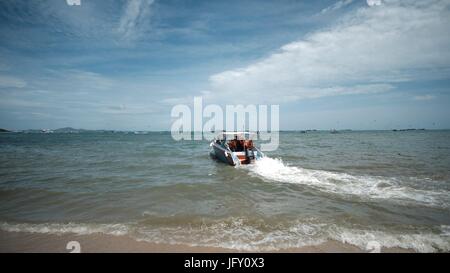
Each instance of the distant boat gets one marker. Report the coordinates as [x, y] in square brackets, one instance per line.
[235, 148]
[334, 131]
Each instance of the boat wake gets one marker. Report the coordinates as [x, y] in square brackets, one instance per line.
[364, 187]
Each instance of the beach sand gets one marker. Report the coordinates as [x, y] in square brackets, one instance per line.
[38, 242]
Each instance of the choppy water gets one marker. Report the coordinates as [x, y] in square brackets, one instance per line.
[354, 187]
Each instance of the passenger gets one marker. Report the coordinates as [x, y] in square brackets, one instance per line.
[249, 144]
[240, 145]
[232, 145]
[236, 144]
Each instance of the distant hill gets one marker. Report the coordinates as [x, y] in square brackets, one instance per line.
[59, 130]
[4, 131]
[68, 130]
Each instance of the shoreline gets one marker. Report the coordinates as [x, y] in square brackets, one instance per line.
[26, 242]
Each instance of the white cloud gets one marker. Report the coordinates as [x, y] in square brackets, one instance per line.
[373, 2]
[9, 81]
[14, 102]
[424, 97]
[72, 81]
[397, 41]
[123, 109]
[134, 19]
[337, 5]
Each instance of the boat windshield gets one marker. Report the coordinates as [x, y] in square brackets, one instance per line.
[236, 135]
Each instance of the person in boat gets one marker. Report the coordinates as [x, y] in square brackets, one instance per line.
[232, 144]
[249, 144]
[239, 144]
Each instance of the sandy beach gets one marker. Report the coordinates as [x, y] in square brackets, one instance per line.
[25, 242]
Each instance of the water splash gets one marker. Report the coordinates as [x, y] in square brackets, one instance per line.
[365, 187]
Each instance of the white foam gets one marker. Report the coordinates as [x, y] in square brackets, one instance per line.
[239, 234]
[368, 187]
[445, 230]
[59, 228]
[235, 233]
[420, 241]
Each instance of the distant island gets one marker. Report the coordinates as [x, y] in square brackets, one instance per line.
[69, 130]
[412, 129]
[62, 130]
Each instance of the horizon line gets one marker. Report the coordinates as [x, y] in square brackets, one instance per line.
[192, 131]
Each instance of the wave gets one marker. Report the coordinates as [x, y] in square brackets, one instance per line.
[65, 228]
[366, 187]
[239, 234]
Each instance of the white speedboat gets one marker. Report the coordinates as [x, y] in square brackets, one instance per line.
[235, 148]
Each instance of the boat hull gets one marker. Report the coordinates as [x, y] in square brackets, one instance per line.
[222, 155]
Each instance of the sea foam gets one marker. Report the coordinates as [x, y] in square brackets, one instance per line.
[365, 187]
[238, 234]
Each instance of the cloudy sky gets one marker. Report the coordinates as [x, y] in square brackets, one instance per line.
[124, 64]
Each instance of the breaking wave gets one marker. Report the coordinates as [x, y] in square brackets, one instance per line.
[365, 187]
[59, 228]
[239, 234]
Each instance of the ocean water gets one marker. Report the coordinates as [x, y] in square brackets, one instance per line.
[356, 187]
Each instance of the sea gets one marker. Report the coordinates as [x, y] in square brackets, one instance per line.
[385, 188]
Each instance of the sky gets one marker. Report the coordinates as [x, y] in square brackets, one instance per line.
[123, 65]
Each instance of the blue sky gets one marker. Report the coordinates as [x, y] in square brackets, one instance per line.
[124, 64]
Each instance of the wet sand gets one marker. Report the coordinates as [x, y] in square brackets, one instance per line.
[38, 242]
